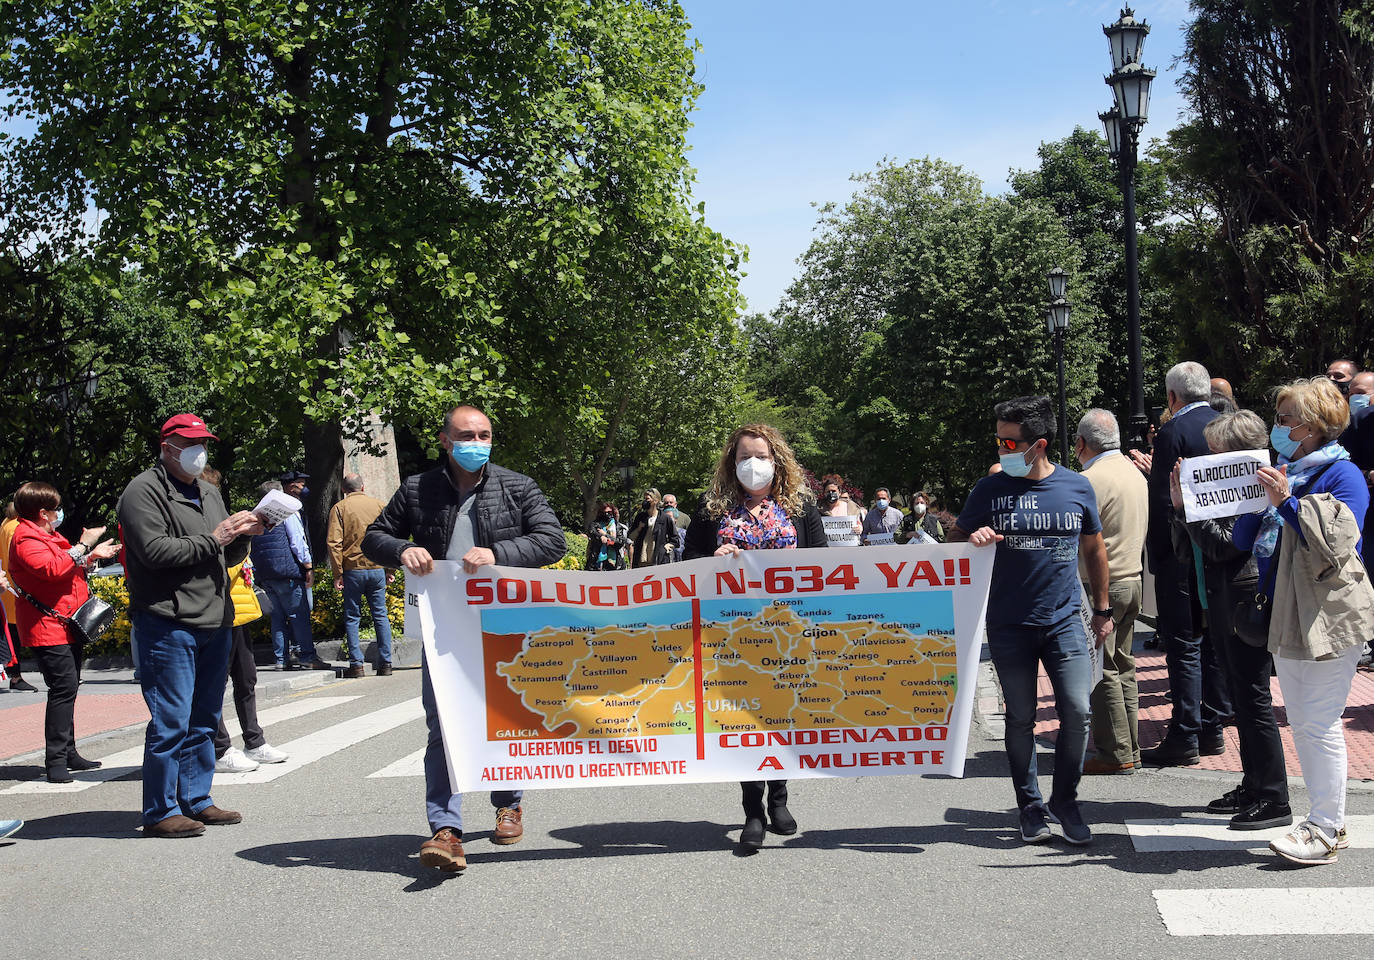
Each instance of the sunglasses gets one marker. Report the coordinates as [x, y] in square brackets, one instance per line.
[1010, 444]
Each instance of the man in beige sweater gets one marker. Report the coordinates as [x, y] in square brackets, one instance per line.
[1123, 505]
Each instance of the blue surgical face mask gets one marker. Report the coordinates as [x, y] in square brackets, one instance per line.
[57, 520]
[1358, 402]
[1283, 442]
[880, 504]
[1014, 464]
[471, 455]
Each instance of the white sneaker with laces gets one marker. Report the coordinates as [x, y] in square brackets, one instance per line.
[1306, 843]
[267, 754]
[235, 761]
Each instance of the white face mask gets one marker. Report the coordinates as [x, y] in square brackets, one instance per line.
[755, 473]
[192, 459]
[919, 509]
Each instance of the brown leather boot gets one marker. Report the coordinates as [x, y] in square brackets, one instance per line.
[508, 826]
[444, 851]
[174, 826]
[213, 816]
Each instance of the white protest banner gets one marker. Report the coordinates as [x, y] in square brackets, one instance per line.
[770, 665]
[841, 531]
[1085, 614]
[882, 539]
[1223, 485]
[276, 506]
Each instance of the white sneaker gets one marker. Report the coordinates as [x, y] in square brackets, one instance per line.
[234, 761]
[267, 754]
[1306, 843]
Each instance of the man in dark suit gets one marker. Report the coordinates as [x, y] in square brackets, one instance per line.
[1358, 439]
[1196, 683]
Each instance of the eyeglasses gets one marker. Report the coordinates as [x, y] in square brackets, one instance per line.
[1287, 420]
[1010, 444]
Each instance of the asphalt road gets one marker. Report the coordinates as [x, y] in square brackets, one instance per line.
[325, 865]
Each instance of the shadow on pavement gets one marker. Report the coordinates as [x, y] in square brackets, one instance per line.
[1000, 830]
[102, 824]
[629, 839]
[394, 853]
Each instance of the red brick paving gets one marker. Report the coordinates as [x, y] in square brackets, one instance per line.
[1153, 681]
[21, 726]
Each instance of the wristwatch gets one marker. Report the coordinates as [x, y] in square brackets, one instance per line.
[1103, 613]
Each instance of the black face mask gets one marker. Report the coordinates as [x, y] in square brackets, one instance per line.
[606, 515]
[833, 496]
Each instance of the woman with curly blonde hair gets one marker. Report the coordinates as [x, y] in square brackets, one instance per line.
[757, 501]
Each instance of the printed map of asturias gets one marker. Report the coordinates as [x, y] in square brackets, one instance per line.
[766, 668]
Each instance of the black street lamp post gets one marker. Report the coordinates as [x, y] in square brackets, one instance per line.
[626, 471]
[1057, 325]
[1130, 83]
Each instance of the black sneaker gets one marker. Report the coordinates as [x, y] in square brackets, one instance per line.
[1035, 828]
[1071, 822]
[1232, 801]
[1262, 815]
[20, 685]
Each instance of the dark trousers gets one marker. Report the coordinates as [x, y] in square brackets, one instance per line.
[1174, 600]
[61, 668]
[1261, 749]
[753, 796]
[1216, 685]
[243, 674]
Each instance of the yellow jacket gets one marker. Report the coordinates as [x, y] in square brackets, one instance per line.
[6, 535]
[246, 608]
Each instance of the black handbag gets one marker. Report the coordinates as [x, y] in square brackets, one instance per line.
[1251, 616]
[86, 624]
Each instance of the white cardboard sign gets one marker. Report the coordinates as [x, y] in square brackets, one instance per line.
[1223, 485]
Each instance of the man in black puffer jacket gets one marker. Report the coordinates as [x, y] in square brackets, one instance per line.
[471, 510]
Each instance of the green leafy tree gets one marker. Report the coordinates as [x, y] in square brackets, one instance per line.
[921, 302]
[1079, 179]
[383, 205]
[1269, 257]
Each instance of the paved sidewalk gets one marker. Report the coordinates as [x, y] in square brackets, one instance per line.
[110, 700]
[1153, 680]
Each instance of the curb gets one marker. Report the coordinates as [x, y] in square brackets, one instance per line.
[269, 689]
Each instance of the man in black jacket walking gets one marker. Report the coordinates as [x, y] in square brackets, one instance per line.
[472, 510]
[1196, 683]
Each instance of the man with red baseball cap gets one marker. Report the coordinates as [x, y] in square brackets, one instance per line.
[179, 543]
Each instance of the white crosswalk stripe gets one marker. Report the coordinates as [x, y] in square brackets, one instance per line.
[1211, 833]
[1296, 911]
[124, 762]
[330, 740]
[1238, 911]
[412, 765]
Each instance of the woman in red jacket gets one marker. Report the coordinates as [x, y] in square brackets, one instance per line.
[52, 571]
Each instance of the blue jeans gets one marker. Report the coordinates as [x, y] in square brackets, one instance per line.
[372, 585]
[182, 672]
[443, 806]
[1063, 649]
[289, 608]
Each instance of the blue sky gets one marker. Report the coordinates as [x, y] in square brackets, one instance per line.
[802, 94]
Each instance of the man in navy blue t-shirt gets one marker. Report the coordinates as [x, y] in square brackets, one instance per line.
[1040, 516]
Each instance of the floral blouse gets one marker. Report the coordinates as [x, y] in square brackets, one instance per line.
[772, 529]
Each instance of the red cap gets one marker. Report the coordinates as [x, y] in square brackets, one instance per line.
[187, 425]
